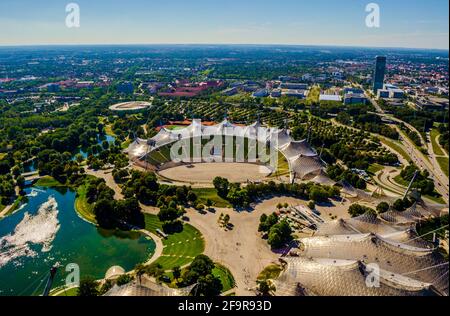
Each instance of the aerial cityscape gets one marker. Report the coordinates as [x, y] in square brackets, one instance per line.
[222, 169]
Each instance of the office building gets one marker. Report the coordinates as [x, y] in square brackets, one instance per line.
[380, 70]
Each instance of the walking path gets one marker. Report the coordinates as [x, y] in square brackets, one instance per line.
[108, 177]
[6, 210]
[158, 246]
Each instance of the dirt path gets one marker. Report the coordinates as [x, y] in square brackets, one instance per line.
[107, 176]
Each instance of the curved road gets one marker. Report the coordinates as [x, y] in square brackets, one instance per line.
[440, 179]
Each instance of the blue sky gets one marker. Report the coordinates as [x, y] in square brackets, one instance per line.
[404, 23]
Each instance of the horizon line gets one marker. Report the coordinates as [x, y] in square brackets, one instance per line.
[219, 44]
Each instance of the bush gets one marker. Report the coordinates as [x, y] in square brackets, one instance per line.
[356, 210]
[402, 204]
[383, 207]
[222, 186]
[88, 287]
[266, 222]
[280, 234]
[124, 279]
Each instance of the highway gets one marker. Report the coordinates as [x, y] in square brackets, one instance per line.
[440, 179]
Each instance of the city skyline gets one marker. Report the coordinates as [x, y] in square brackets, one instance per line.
[403, 24]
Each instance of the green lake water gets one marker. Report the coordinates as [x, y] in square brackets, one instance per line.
[46, 230]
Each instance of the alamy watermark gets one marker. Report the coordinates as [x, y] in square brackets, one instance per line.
[373, 19]
[73, 15]
[373, 276]
[73, 277]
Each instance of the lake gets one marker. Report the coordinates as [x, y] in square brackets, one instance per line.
[47, 230]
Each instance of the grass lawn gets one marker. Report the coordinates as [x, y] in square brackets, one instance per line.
[435, 198]
[436, 148]
[270, 272]
[83, 208]
[204, 194]
[443, 163]
[374, 168]
[48, 181]
[179, 248]
[395, 146]
[225, 277]
[126, 143]
[175, 127]
[69, 292]
[401, 181]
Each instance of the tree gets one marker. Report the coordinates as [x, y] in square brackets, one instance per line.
[280, 234]
[208, 285]
[181, 194]
[79, 158]
[20, 182]
[318, 194]
[104, 213]
[311, 205]
[176, 272]
[209, 203]
[192, 197]
[155, 270]
[222, 186]
[356, 210]
[226, 219]
[140, 271]
[169, 214]
[402, 204]
[264, 287]
[106, 287]
[15, 171]
[266, 222]
[201, 266]
[88, 287]
[124, 279]
[383, 207]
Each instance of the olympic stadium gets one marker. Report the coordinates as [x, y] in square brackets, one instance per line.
[239, 153]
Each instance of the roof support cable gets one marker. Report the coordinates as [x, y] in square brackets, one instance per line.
[425, 269]
[431, 232]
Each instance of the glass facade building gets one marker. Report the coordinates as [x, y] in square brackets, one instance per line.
[380, 69]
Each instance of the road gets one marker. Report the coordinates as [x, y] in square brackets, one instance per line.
[440, 179]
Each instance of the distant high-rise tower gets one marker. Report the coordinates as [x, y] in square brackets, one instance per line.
[378, 77]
